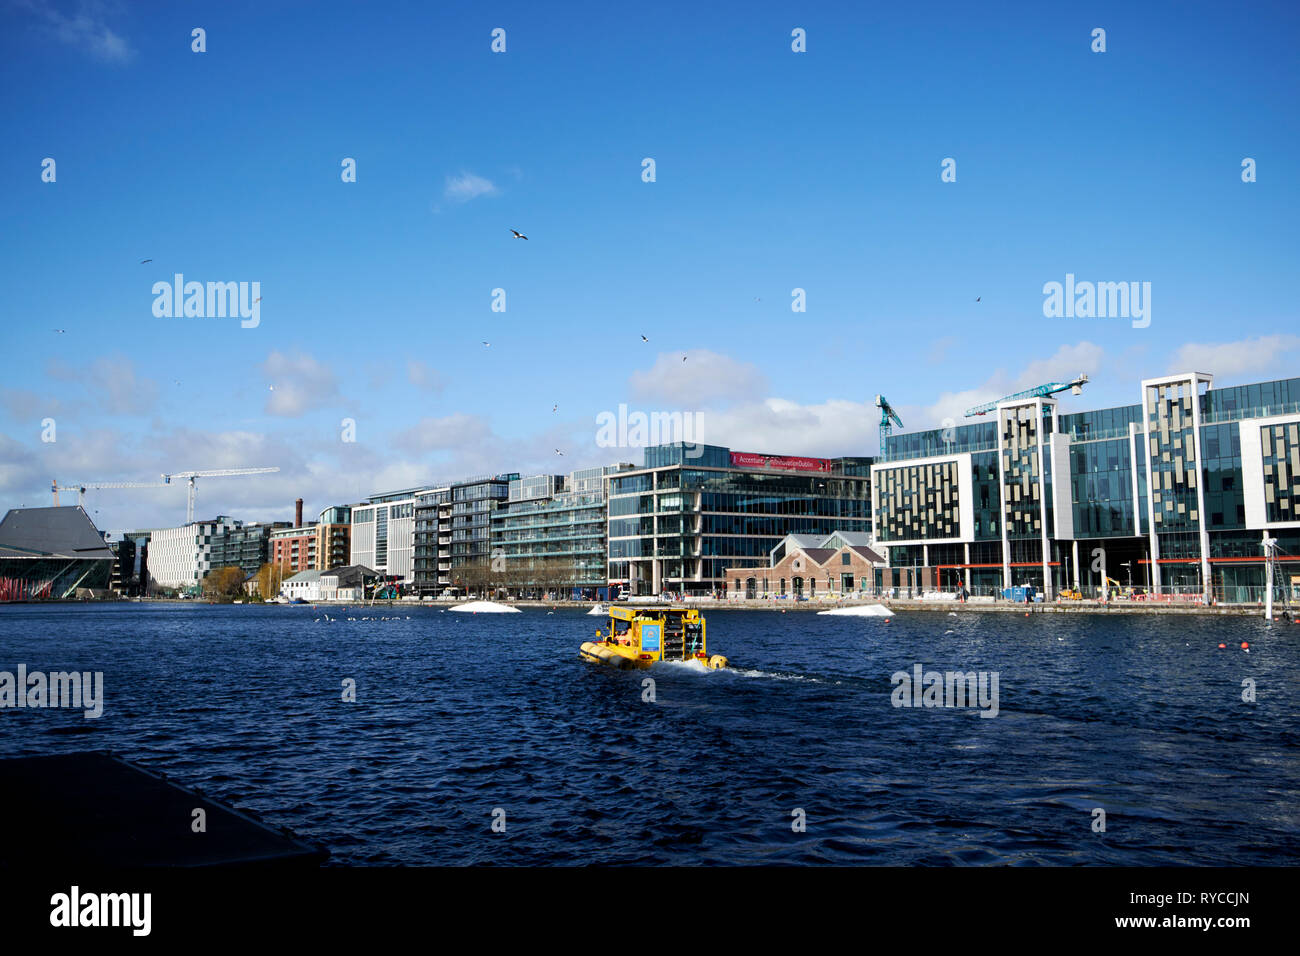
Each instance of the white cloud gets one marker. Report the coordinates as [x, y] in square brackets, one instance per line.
[1230, 360]
[838, 427]
[449, 433]
[704, 377]
[468, 186]
[298, 383]
[112, 383]
[1063, 366]
[85, 29]
[423, 376]
[24, 405]
[781, 427]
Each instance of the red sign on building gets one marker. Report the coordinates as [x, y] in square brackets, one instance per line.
[742, 459]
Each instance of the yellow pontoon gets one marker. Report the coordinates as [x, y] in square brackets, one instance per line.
[638, 637]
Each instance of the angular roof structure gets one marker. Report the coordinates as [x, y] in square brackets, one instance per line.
[65, 532]
[351, 574]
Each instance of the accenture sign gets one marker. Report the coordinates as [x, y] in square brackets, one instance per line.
[742, 459]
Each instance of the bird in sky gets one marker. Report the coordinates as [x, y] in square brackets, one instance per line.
[555, 407]
[977, 298]
[683, 358]
[518, 235]
[487, 345]
[143, 261]
[644, 339]
[560, 453]
[60, 331]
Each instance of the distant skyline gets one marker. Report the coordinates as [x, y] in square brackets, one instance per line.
[774, 171]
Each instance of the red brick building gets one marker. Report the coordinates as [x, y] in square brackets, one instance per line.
[802, 565]
[294, 549]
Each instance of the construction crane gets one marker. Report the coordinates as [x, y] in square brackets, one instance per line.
[216, 473]
[888, 418]
[81, 487]
[1051, 388]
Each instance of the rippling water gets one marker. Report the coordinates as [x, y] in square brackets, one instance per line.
[458, 714]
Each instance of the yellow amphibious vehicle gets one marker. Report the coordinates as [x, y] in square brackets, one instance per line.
[640, 636]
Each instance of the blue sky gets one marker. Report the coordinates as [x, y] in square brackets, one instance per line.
[775, 170]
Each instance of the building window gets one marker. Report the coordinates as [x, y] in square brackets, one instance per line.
[844, 558]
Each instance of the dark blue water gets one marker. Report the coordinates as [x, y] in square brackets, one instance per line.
[457, 715]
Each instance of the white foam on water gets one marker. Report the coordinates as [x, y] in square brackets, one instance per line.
[485, 607]
[691, 665]
[751, 672]
[861, 610]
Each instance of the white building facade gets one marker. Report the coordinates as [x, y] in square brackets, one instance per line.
[182, 557]
[383, 533]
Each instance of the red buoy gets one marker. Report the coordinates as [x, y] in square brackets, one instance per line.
[1245, 645]
[1222, 646]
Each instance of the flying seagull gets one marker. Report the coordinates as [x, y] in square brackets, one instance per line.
[143, 261]
[558, 452]
[683, 358]
[60, 331]
[644, 339]
[487, 345]
[555, 407]
[518, 235]
[977, 298]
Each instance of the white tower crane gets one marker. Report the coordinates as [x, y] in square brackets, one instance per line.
[216, 473]
[81, 487]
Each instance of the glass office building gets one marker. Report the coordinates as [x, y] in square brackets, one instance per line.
[1171, 495]
[247, 547]
[473, 503]
[551, 537]
[433, 542]
[691, 511]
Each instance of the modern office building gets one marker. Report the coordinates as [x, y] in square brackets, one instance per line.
[123, 580]
[551, 534]
[691, 511]
[1174, 494]
[333, 537]
[383, 533]
[433, 542]
[244, 546]
[181, 558]
[473, 503]
[52, 553]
